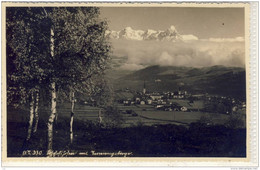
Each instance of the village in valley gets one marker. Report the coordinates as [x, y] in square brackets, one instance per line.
[177, 107]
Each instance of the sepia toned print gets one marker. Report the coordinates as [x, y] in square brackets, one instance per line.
[135, 83]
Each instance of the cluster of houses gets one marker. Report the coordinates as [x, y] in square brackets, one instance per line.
[174, 101]
[161, 101]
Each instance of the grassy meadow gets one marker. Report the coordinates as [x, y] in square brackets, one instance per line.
[150, 133]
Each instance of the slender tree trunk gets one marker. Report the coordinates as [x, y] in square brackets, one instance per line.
[36, 111]
[51, 117]
[56, 118]
[31, 117]
[72, 116]
[53, 103]
[99, 116]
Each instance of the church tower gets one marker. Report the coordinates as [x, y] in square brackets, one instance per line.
[144, 89]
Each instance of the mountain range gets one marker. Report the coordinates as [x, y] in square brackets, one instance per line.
[170, 34]
[215, 80]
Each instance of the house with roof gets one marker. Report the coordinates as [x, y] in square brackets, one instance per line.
[149, 101]
[156, 96]
[124, 97]
[179, 94]
[184, 105]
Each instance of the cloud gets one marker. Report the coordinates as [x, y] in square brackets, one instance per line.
[237, 39]
[189, 37]
[199, 53]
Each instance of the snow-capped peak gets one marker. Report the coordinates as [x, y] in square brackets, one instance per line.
[172, 29]
[170, 34]
[130, 34]
[128, 29]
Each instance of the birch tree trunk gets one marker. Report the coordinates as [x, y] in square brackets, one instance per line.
[31, 117]
[53, 103]
[36, 111]
[51, 117]
[72, 116]
[100, 116]
[56, 118]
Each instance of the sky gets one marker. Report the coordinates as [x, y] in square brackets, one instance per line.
[220, 33]
[201, 22]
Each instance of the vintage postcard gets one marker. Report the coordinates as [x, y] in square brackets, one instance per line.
[127, 84]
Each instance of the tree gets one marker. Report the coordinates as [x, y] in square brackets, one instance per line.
[27, 59]
[103, 95]
[68, 45]
[81, 51]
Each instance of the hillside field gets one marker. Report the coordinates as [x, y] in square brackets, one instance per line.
[151, 133]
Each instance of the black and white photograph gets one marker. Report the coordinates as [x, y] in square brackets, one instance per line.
[125, 81]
